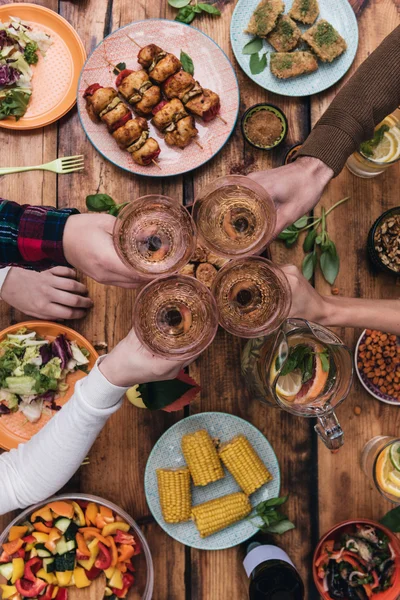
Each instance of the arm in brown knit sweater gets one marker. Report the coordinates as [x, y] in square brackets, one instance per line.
[371, 94]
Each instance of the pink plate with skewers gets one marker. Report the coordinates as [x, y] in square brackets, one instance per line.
[212, 69]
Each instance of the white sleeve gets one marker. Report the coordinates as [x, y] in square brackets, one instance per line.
[3, 274]
[39, 468]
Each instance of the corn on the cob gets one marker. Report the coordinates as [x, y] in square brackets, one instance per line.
[201, 457]
[175, 494]
[214, 515]
[243, 462]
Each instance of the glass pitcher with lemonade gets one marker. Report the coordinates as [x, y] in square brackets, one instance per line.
[304, 369]
[380, 152]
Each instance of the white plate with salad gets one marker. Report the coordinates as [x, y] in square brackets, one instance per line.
[40, 362]
[41, 57]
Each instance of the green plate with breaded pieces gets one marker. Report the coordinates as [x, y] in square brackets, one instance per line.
[205, 475]
[300, 47]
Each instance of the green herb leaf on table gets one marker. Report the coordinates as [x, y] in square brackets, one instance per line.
[209, 8]
[178, 3]
[302, 222]
[253, 47]
[330, 264]
[185, 15]
[187, 63]
[119, 67]
[392, 520]
[272, 521]
[257, 63]
[308, 266]
[99, 202]
[309, 240]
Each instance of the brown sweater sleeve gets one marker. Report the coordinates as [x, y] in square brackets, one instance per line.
[371, 94]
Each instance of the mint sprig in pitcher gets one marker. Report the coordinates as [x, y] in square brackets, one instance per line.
[304, 369]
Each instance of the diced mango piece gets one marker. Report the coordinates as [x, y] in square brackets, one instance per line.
[49, 577]
[80, 578]
[7, 591]
[116, 580]
[40, 537]
[18, 569]
[64, 578]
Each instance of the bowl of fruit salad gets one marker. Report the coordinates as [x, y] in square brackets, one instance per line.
[70, 541]
[358, 559]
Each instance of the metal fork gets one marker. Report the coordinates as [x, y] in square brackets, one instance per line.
[67, 164]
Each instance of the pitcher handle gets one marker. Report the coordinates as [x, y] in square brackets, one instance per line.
[330, 431]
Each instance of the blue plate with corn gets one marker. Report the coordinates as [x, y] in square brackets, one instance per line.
[205, 475]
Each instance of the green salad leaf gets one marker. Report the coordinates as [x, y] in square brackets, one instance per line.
[13, 103]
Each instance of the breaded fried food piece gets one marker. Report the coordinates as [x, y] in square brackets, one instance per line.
[292, 64]
[305, 11]
[264, 18]
[285, 36]
[326, 42]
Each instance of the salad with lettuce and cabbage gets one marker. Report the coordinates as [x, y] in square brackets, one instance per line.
[19, 48]
[33, 372]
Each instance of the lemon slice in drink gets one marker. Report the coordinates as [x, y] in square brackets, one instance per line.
[394, 477]
[387, 150]
[384, 474]
[288, 386]
[395, 455]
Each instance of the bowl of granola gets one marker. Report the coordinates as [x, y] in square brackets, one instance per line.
[384, 242]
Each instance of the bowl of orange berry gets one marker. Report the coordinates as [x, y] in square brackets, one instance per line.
[377, 364]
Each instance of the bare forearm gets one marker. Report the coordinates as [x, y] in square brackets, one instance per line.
[383, 315]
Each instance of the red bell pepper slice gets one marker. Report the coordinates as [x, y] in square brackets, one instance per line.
[29, 539]
[31, 568]
[130, 567]
[91, 89]
[211, 113]
[19, 554]
[28, 589]
[375, 584]
[5, 558]
[93, 573]
[48, 593]
[148, 159]
[124, 538]
[122, 75]
[62, 594]
[159, 106]
[127, 582]
[103, 560]
[121, 122]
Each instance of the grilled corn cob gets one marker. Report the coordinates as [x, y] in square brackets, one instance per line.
[214, 515]
[201, 457]
[243, 462]
[175, 494]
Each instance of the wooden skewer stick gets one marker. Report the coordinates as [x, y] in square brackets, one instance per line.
[199, 145]
[133, 41]
[156, 163]
[113, 66]
[223, 120]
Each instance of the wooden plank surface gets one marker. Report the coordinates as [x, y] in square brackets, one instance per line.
[313, 477]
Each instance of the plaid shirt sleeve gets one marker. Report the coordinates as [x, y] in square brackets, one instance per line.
[31, 236]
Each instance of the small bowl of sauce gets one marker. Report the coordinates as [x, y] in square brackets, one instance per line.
[264, 126]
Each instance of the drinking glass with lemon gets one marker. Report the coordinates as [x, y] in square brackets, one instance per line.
[381, 151]
[380, 461]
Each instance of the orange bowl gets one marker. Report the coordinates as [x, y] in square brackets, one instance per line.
[14, 428]
[56, 76]
[390, 594]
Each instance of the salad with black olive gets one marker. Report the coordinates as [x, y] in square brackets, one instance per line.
[360, 564]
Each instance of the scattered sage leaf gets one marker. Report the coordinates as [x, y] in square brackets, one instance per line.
[330, 266]
[257, 63]
[253, 47]
[308, 265]
[318, 240]
[187, 63]
[99, 202]
[302, 222]
[209, 8]
[178, 3]
[185, 15]
[309, 240]
[280, 527]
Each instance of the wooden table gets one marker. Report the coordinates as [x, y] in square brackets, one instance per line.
[324, 488]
